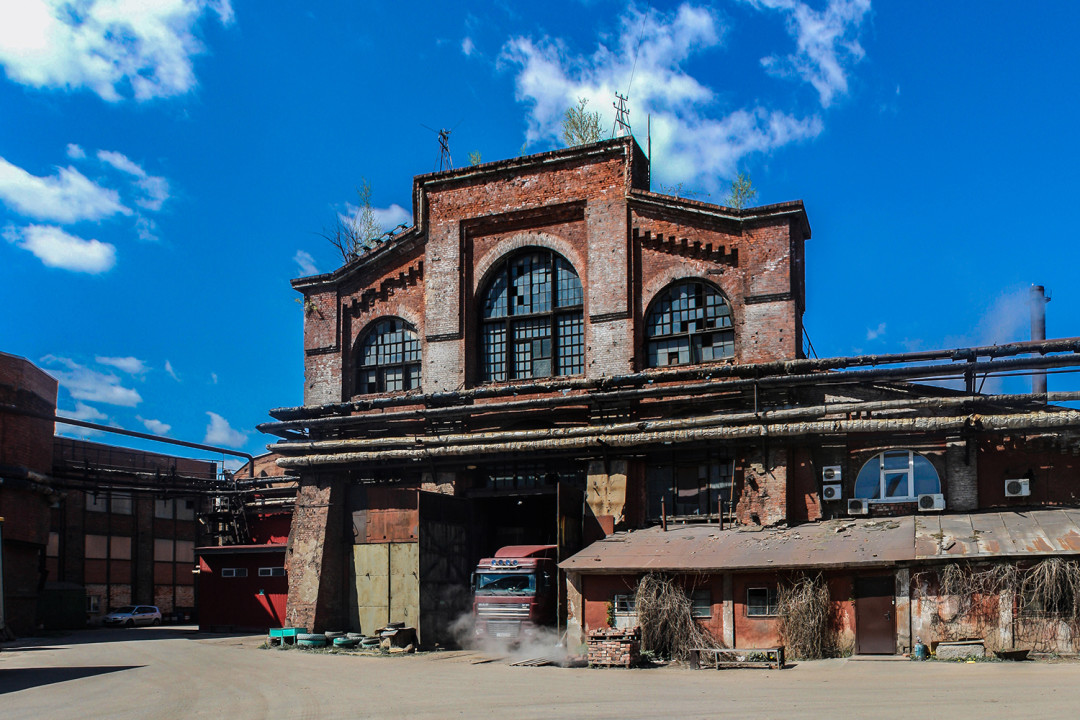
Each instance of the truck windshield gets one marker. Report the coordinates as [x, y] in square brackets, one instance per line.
[506, 583]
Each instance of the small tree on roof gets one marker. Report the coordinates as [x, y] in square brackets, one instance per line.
[742, 192]
[580, 126]
[353, 236]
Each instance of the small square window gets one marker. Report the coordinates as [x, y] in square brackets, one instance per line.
[701, 604]
[761, 602]
[625, 605]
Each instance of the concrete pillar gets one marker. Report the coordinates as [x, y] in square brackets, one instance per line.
[575, 610]
[729, 611]
[1005, 620]
[314, 556]
[902, 610]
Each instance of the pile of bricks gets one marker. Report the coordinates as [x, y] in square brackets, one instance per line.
[614, 647]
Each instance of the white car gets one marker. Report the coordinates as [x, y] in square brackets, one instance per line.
[132, 615]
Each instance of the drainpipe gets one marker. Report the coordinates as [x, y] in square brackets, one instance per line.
[1038, 331]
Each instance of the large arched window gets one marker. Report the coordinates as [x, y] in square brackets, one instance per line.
[897, 476]
[387, 358]
[688, 323]
[532, 321]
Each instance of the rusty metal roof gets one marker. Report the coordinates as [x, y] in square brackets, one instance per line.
[701, 548]
[835, 543]
[992, 534]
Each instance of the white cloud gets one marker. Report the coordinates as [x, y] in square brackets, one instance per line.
[467, 46]
[155, 426]
[115, 48]
[693, 143]
[305, 263]
[65, 197]
[155, 189]
[56, 248]
[75, 152]
[825, 43]
[219, 433]
[172, 373]
[84, 412]
[146, 229]
[130, 365]
[387, 218]
[390, 217]
[91, 385]
[213, 378]
[875, 333]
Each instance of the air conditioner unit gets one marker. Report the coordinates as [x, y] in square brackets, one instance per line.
[1020, 487]
[834, 491]
[931, 501]
[831, 473]
[857, 506]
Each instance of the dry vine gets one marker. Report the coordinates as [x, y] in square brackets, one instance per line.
[665, 615]
[1049, 601]
[805, 608]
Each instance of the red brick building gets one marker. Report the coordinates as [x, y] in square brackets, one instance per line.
[554, 354]
[98, 524]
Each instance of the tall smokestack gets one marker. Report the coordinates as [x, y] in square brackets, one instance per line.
[1038, 331]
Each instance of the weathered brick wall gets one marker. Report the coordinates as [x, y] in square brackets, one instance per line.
[582, 207]
[763, 496]
[25, 441]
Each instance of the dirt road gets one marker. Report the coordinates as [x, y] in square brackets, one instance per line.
[178, 673]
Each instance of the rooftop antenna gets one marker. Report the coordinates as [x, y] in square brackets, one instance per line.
[445, 162]
[621, 128]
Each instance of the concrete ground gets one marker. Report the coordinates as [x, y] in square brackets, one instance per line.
[179, 673]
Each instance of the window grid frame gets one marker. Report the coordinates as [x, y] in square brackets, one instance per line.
[507, 337]
[387, 366]
[681, 318]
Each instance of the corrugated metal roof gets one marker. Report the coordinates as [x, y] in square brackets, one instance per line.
[835, 543]
[991, 534]
[700, 548]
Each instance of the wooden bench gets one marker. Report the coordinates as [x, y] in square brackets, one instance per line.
[737, 657]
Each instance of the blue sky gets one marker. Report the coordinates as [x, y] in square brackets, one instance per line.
[166, 167]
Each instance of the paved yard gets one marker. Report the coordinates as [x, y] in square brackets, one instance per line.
[178, 673]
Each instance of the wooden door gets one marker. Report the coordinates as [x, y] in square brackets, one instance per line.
[875, 623]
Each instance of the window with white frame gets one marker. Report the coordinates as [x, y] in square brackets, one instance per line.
[761, 602]
[896, 476]
[233, 572]
[272, 572]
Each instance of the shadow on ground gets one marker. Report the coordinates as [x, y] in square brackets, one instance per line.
[24, 678]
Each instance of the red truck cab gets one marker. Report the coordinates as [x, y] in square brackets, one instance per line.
[515, 591]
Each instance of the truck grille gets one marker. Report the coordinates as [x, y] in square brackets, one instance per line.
[502, 610]
[504, 628]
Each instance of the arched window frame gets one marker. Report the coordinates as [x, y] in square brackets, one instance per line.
[387, 358]
[885, 475]
[689, 335]
[517, 340]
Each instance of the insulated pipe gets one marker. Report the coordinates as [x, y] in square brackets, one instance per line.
[991, 423]
[755, 370]
[421, 441]
[1038, 331]
[773, 381]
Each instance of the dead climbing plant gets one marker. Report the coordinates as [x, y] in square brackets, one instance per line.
[968, 599]
[805, 609]
[665, 615]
